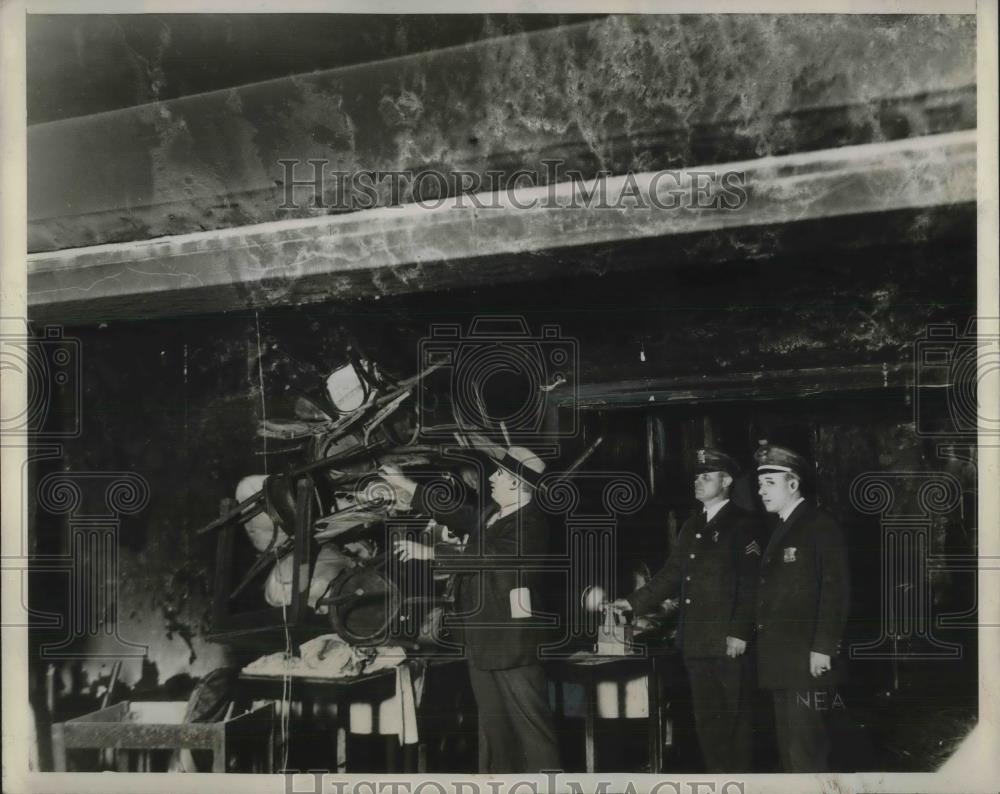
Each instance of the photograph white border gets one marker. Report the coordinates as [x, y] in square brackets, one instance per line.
[975, 767]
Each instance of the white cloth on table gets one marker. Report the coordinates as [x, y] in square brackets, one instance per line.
[327, 656]
[397, 715]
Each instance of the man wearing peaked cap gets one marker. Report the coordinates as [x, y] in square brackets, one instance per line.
[802, 605]
[772, 458]
[495, 603]
[714, 572]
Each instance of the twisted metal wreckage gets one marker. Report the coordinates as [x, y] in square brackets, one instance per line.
[337, 570]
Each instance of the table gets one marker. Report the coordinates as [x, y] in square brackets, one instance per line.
[372, 688]
[589, 669]
[125, 728]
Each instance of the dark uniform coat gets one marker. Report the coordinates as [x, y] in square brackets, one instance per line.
[714, 571]
[494, 638]
[802, 600]
[496, 604]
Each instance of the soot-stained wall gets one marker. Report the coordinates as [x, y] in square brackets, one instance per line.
[177, 402]
[623, 93]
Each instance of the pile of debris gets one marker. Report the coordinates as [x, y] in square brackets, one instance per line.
[366, 424]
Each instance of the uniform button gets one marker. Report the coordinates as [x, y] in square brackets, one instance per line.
[762, 580]
[689, 578]
[697, 534]
[692, 556]
[687, 600]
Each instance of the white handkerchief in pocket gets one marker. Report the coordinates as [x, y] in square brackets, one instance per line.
[520, 602]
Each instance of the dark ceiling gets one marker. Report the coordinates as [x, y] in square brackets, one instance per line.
[83, 64]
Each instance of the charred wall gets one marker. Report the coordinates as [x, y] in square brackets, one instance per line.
[177, 402]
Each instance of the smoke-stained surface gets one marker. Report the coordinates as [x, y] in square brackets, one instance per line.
[629, 93]
[802, 331]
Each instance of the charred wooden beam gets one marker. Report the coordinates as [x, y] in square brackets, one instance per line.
[410, 249]
[622, 93]
[757, 385]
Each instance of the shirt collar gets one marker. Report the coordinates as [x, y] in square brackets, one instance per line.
[503, 512]
[784, 514]
[711, 512]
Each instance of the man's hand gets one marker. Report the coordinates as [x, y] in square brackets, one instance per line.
[819, 663]
[621, 606]
[735, 647]
[641, 624]
[447, 537]
[408, 550]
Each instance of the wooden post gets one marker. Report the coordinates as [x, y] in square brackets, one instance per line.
[303, 527]
[58, 747]
[650, 453]
[223, 566]
[655, 719]
[590, 723]
[460, 248]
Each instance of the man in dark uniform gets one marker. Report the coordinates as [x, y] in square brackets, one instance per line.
[714, 571]
[495, 603]
[802, 604]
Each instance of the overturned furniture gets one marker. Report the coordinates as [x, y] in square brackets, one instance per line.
[317, 523]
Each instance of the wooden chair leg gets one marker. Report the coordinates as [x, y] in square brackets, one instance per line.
[271, 755]
[341, 745]
[590, 726]
[219, 755]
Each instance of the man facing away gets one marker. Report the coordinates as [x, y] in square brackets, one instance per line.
[494, 605]
[802, 605]
[714, 572]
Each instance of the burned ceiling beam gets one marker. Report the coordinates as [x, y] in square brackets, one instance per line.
[394, 250]
[627, 93]
[740, 386]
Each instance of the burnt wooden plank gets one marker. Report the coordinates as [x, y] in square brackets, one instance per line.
[756, 385]
[137, 735]
[114, 713]
[410, 249]
[212, 159]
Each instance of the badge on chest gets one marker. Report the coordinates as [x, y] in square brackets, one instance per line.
[789, 554]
